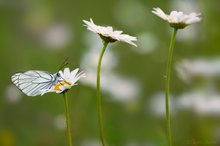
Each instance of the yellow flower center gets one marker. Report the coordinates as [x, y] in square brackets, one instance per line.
[58, 85]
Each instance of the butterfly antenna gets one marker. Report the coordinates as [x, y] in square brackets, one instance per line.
[65, 63]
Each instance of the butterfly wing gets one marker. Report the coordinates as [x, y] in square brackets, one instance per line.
[33, 83]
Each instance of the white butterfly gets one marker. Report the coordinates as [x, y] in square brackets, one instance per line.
[35, 82]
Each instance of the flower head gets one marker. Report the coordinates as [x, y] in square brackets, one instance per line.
[178, 19]
[67, 80]
[108, 34]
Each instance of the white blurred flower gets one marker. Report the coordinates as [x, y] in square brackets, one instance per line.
[178, 19]
[147, 43]
[60, 122]
[91, 56]
[13, 95]
[191, 34]
[126, 17]
[124, 90]
[56, 36]
[69, 79]
[201, 102]
[108, 34]
[206, 68]
[157, 104]
[140, 144]
[90, 142]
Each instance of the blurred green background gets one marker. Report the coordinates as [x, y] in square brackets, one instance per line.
[40, 34]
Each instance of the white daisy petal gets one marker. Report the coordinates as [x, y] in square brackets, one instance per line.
[177, 19]
[77, 77]
[66, 72]
[194, 18]
[160, 13]
[74, 72]
[109, 34]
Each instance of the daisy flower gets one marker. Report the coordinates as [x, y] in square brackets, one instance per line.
[68, 79]
[108, 34]
[176, 19]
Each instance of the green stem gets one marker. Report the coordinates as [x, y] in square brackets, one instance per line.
[167, 87]
[99, 98]
[67, 119]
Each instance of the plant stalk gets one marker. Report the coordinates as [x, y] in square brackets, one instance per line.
[99, 98]
[69, 135]
[167, 86]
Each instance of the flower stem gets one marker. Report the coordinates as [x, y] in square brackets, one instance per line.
[67, 119]
[167, 87]
[99, 98]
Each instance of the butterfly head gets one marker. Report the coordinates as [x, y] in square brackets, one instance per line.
[58, 77]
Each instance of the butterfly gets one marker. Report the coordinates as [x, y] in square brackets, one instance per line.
[35, 82]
